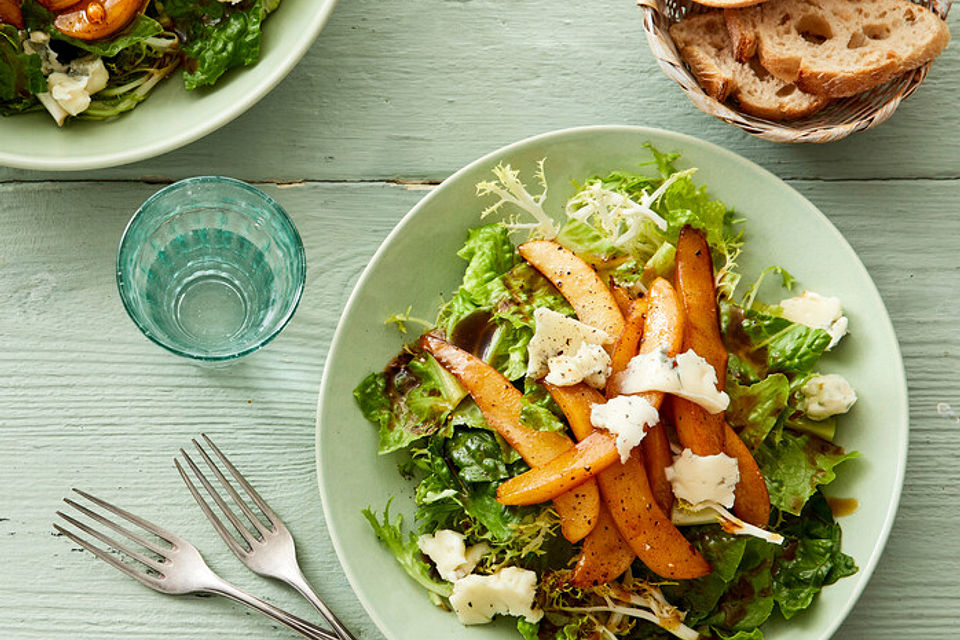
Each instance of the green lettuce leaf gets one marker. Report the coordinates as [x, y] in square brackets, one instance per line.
[737, 594]
[525, 290]
[755, 409]
[495, 302]
[468, 414]
[371, 397]
[447, 497]
[477, 456]
[588, 243]
[573, 630]
[217, 36]
[438, 393]
[789, 347]
[499, 306]
[539, 410]
[140, 29]
[748, 601]
[528, 630]
[489, 254]
[795, 466]
[411, 400]
[823, 429]
[724, 552]
[755, 634]
[810, 558]
[682, 203]
[404, 548]
[507, 351]
[20, 74]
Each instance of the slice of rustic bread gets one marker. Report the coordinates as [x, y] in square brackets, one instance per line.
[837, 48]
[729, 4]
[705, 46]
[706, 50]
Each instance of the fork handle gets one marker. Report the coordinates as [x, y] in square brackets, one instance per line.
[301, 626]
[299, 582]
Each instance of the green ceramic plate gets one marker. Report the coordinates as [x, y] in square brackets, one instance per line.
[417, 264]
[171, 117]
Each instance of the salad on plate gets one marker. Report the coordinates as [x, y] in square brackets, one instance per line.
[95, 59]
[608, 434]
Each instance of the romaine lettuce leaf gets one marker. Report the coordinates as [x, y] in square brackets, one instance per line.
[447, 496]
[477, 456]
[217, 36]
[736, 595]
[789, 347]
[411, 400]
[20, 74]
[810, 559]
[755, 409]
[539, 411]
[489, 254]
[795, 466]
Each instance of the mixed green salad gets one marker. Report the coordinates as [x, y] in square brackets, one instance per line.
[469, 551]
[95, 59]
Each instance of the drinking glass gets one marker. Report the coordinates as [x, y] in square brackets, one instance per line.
[211, 268]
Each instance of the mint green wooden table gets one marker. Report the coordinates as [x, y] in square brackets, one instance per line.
[392, 98]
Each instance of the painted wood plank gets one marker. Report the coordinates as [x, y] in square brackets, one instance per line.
[86, 401]
[395, 90]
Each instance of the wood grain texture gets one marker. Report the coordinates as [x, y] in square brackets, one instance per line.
[391, 93]
[394, 90]
[86, 401]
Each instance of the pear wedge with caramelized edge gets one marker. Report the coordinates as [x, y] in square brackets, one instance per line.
[641, 525]
[663, 319]
[97, 19]
[500, 403]
[577, 282]
[57, 5]
[704, 433]
[11, 14]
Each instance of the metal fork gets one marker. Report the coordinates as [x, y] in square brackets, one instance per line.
[268, 549]
[179, 571]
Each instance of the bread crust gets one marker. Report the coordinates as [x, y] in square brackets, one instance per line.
[706, 47]
[729, 4]
[742, 29]
[865, 43]
[692, 37]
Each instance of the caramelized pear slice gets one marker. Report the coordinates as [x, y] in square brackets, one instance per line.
[501, 403]
[10, 13]
[57, 5]
[97, 19]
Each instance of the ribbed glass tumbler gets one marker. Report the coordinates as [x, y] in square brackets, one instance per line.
[211, 268]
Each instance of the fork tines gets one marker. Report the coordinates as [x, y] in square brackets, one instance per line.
[152, 568]
[247, 536]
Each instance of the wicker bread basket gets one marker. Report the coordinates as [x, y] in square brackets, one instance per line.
[838, 120]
